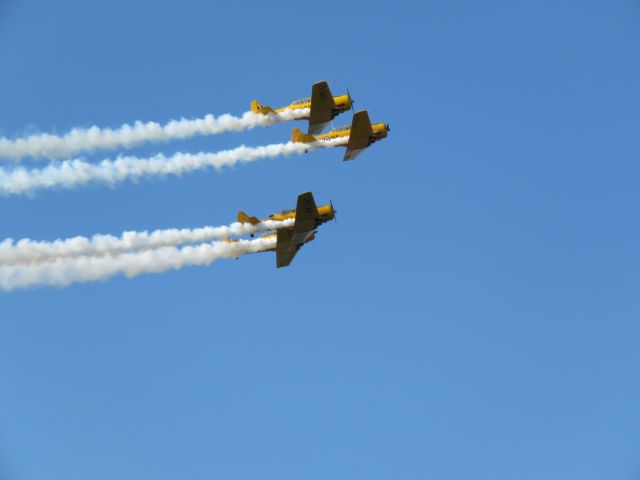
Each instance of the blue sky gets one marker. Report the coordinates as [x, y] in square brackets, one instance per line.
[473, 313]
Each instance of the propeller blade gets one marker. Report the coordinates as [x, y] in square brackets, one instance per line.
[350, 100]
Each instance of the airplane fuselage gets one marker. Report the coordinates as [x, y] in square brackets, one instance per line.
[343, 103]
[309, 238]
[325, 212]
[380, 131]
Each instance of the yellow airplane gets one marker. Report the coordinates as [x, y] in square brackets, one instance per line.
[323, 106]
[308, 217]
[361, 135]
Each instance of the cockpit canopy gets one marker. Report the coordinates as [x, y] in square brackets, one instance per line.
[302, 101]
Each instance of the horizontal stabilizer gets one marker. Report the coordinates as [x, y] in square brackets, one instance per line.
[244, 218]
[257, 107]
[298, 136]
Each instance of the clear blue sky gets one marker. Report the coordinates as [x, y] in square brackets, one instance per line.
[473, 314]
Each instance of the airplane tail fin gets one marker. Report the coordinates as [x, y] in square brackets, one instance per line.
[257, 107]
[244, 218]
[231, 240]
[297, 136]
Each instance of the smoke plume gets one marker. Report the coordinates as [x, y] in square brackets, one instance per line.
[88, 140]
[26, 251]
[65, 271]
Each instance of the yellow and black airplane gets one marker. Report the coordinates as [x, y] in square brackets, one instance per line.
[308, 217]
[323, 106]
[361, 135]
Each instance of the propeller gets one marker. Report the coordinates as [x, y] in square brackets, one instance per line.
[388, 128]
[350, 100]
[335, 219]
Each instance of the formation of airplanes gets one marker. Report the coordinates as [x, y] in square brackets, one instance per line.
[307, 218]
[323, 107]
[361, 134]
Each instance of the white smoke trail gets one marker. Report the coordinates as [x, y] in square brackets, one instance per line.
[73, 173]
[26, 251]
[65, 271]
[79, 140]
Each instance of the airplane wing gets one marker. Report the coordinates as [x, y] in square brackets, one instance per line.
[360, 135]
[290, 240]
[322, 106]
[286, 249]
[306, 214]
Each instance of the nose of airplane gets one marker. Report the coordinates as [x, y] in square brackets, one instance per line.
[351, 102]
